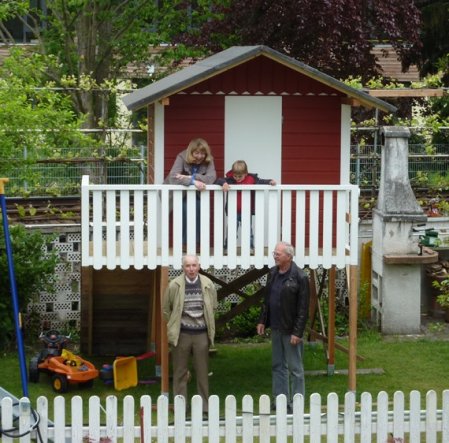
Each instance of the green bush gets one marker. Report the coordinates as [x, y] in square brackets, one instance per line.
[244, 325]
[34, 268]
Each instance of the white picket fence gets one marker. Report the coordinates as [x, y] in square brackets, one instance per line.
[366, 421]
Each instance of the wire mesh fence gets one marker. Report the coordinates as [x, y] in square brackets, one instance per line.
[62, 176]
[425, 165]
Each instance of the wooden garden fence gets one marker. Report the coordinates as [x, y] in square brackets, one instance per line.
[413, 418]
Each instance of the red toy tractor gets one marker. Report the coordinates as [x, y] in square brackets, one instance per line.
[64, 367]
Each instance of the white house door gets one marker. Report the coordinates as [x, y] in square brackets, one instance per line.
[253, 132]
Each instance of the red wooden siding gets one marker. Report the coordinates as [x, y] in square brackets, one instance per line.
[188, 117]
[311, 140]
[262, 75]
[311, 123]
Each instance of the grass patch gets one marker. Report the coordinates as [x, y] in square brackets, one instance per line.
[245, 368]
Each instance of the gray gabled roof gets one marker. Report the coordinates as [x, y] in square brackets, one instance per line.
[229, 58]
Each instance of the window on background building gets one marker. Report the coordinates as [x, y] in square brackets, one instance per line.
[17, 27]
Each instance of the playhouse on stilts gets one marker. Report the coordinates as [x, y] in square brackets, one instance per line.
[289, 122]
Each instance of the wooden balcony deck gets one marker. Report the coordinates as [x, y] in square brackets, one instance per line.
[141, 225]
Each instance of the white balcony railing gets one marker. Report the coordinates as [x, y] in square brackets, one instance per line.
[142, 225]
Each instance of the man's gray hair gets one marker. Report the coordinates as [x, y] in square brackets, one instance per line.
[185, 256]
[288, 248]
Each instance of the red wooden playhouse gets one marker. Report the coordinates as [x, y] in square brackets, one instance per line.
[289, 122]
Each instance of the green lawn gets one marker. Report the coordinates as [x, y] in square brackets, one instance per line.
[238, 369]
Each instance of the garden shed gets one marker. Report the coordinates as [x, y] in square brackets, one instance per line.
[289, 122]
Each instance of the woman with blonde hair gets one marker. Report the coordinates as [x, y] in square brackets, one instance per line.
[193, 166]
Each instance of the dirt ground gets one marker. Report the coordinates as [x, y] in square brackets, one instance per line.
[431, 328]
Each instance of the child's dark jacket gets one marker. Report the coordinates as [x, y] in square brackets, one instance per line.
[250, 179]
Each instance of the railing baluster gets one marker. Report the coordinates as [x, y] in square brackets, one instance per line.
[97, 227]
[231, 232]
[205, 229]
[218, 228]
[177, 228]
[124, 232]
[287, 219]
[153, 227]
[260, 226]
[138, 229]
[273, 222]
[328, 223]
[300, 219]
[191, 221]
[341, 231]
[167, 200]
[314, 223]
[111, 230]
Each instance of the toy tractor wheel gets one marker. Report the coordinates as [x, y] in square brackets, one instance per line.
[59, 383]
[33, 371]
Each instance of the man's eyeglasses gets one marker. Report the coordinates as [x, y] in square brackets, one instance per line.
[276, 254]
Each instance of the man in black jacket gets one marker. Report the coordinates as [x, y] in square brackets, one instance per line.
[285, 310]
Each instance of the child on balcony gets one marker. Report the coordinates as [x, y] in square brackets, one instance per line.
[239, 175]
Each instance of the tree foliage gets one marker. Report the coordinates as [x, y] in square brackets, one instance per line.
[435, 38]
[34, 265]
[94, 41]
[36, 121]
[333, 36]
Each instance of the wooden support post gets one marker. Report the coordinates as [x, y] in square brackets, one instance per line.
[163, 282]
[87, 276]
[159, 322]
[352, 367]
[313, 302]
[152, 294]
[154, 314]
[331, 322]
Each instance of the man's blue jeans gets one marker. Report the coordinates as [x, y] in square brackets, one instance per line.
[287, 366]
